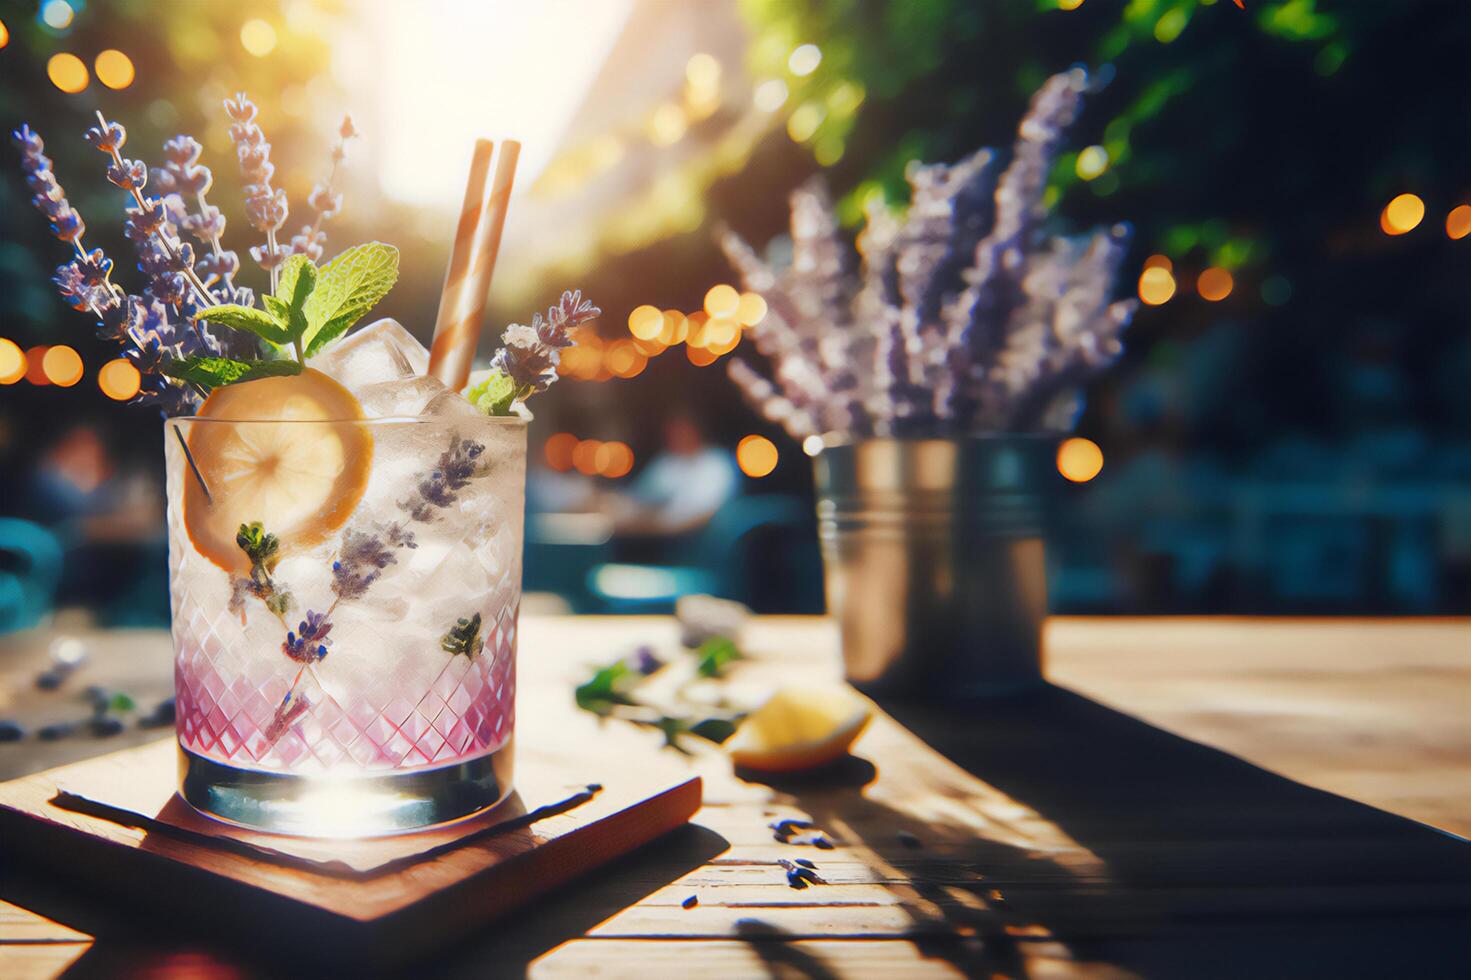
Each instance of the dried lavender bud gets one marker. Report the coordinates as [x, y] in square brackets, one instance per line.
[690, 902]
[308, 643]
[130, 175]
[108, 138]
[360, 562]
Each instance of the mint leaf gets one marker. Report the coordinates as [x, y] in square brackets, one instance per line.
[493, 394]
[347, 288]
[277, 309]
[295, 287]
[258, 322]
[213, 372]
[715, 654]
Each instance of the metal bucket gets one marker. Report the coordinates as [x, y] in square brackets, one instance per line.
[934, 562]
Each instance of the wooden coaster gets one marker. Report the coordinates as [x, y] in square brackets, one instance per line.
[114, 826]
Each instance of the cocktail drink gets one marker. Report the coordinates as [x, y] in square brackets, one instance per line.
[344, 508]
[345, 558]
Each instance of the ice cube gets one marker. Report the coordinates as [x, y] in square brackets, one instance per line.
[451, 404]
[404, 398]
[381, 351]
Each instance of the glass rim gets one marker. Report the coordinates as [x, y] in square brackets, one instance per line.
[521, 420]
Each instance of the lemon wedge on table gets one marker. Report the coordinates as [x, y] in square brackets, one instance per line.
[297, 463]
[799, 729]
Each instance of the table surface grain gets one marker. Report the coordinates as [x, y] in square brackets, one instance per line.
[1193, 797]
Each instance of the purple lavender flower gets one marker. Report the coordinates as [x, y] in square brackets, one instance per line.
[360, 562]
[530, 354]
[441, 488]
[130, 175]
[265, 207]
[308, 643]
[106, 137]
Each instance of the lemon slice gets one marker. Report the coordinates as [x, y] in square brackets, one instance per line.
[294, 461]
[799, 729]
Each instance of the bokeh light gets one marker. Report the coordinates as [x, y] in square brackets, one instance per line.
[613, 460]
[667, 125]
[804, 59]
[702, 71]
[700, 357]
[751, 309]
[756, 456]
[4, 34]
[258, 37]
[1159, 262]
[1403, 214]
[1156, 286]
[35, 370]
[12, 362]
[1215, 284]
[1079, 460]
[559, 449]
[114, 69]
[57, 14]
[119, 380]
[802, 124]
[585, 457]
[67, 72]
[770, 95]
[645, 322]
[1069, 4]
[676, 328]
[1458, 222]
[62, 366]
[813, 445]
[722, 300]
[1092, 162]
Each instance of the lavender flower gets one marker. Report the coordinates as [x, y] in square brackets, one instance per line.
[968, 316]
[265, 207]
[441, 488]
[360, 561]
[308, 643]
[530, 354]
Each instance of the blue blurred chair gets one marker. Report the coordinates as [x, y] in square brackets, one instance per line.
[30, 568]
[718, 560]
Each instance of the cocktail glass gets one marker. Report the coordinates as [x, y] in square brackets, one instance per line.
[345, 665]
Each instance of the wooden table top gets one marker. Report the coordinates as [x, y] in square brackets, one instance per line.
[1195, 797]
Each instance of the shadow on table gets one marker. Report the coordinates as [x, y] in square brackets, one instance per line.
[1205, 864]
[144, 944]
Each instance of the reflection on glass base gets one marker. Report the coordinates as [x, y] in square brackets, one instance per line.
[344, 806]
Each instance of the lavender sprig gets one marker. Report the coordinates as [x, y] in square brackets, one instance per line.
[441, 488]
[308, 643]
[85, 282]
[527, 361]
[967, 314]
[265, 207]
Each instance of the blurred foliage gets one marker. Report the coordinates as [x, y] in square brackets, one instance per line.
[188, 57]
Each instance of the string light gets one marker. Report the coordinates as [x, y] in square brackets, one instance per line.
[756, 456]
[35, 372]
[1458, 222]
[118, 379]
[613, 460]
[751, 309]
[12, 362]
[258, 37]
[1079, 460]
[114, 69]
[1215, 284]
[585, 457]
[67, 72]
[722, 301]
[62, 366]
[1403, 214]
[645, 322]
[558, 451]
[1156, 286]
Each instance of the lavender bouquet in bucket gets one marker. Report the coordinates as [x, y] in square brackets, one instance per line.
[925, 379]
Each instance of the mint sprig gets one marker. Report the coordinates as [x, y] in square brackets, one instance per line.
[493, 394]
[310, 308]
[212, 372]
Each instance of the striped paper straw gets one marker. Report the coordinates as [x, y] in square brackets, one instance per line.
[471, 265]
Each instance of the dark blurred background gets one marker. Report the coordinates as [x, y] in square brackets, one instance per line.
[1287, 433]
